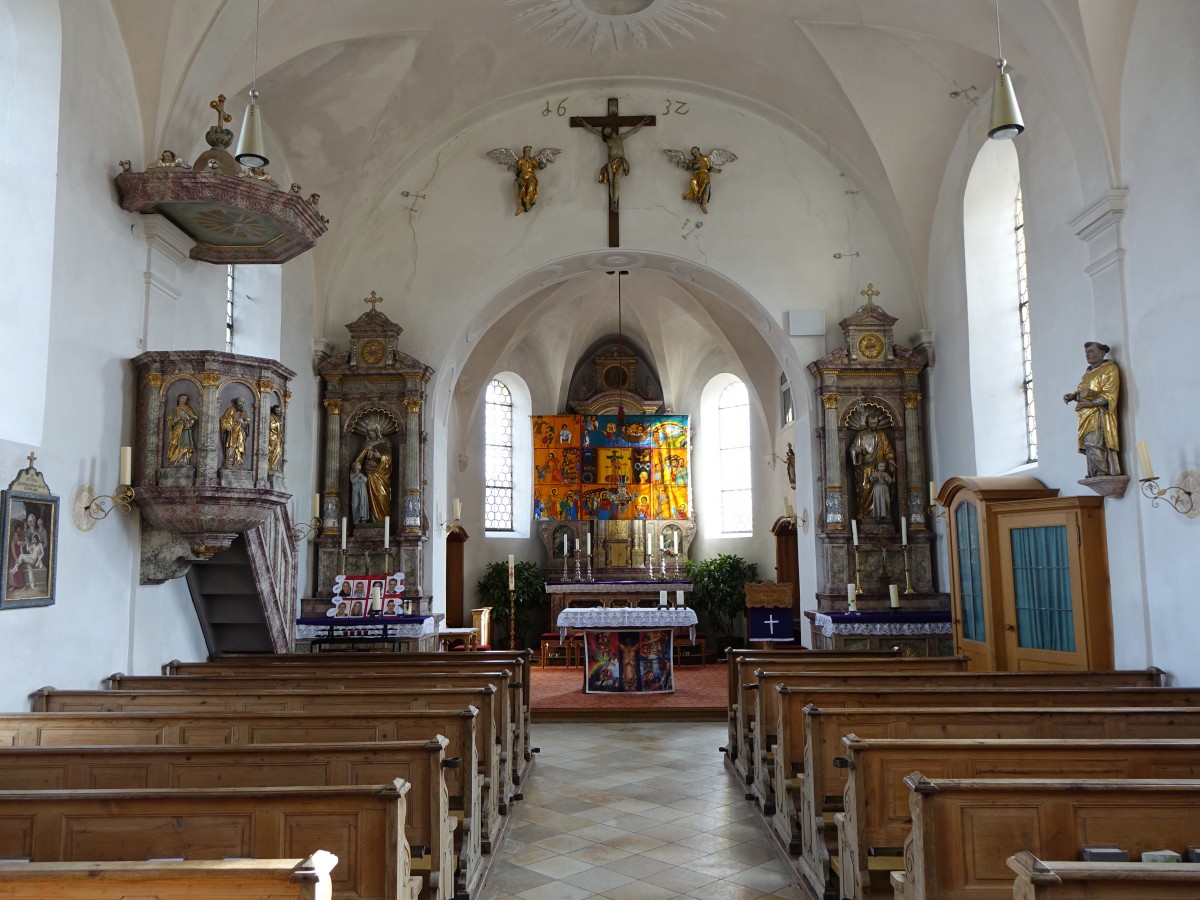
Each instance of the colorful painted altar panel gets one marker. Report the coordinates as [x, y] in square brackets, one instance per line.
[579, 462]
[624, 662]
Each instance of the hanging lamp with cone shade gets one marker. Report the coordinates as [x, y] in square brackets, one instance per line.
[251, 151]
[1005, 123]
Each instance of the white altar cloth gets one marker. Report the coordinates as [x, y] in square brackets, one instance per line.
[626, 618]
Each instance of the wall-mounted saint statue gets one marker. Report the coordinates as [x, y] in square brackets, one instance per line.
[1096, 405]
[524, 167]
[234, 424]
[874, 462]
[700, 165]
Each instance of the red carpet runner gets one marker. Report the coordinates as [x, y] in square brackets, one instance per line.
[700, 692]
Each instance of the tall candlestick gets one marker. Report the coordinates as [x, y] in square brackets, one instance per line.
[126, 474]
[903, 530]
[343, 532]
[854, 530]
[316, 506]
[1144, 459]
[894, 595]
[387, 531]
[512, 572]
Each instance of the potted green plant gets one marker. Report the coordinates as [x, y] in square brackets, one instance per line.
[529, 598]
[719, 594]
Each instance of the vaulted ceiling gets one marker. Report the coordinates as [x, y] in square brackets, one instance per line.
[354, 91]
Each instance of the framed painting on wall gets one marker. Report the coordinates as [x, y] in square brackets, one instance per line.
[29, 555]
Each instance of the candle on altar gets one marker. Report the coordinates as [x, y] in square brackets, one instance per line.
[894, 595]
[589, 543]
[343, 532]
[904, 531]
[932, 493]
[1144, 459]
[126, 474]
[566, 552]
[679, 599]
[662, 543]
[316, 506]
[854, 530]
[662, 599]
[376, 597]
[576, 546]
[851, 602]
[512, 572]
[387, 531]
[676, 538]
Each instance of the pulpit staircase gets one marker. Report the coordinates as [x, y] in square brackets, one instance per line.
[245, 596]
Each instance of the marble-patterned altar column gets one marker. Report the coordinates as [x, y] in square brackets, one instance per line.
[412, 466]
[835, 488]
[914, 503]
[333, 461]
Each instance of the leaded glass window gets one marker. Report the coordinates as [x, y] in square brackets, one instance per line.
[1026, 343]
[498, 462]
[733, 440]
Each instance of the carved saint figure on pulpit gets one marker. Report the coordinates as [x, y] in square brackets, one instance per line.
[181, 442]
[874, 463]
[275, 439]
[1096, 405]
[234, 423]
[375, 458]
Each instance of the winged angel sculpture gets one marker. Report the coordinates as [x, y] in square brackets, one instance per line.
[525, 183]
[700, 165]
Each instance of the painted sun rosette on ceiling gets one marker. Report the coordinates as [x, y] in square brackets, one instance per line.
[614, 24]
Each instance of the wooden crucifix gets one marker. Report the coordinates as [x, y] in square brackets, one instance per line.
[608, 128]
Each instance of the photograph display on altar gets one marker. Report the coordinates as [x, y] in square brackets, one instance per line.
[355, 595]
[592, 468]
[620, 662]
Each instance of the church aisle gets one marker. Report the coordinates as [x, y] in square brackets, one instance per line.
[634, 811]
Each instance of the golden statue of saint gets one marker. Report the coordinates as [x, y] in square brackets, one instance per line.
[1096, 405]
[376, 461]
[874, 464]
[275, 439]
[233, 424]
[181, 441]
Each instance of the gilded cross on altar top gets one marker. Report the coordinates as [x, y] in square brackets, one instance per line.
[870, 293]
[373, 300]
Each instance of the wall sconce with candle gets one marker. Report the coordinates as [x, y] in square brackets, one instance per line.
[87, 507]
[305, 530]
[934, 509]
[1182, 496]
[456, 522]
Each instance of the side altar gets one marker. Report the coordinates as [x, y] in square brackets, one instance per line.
[875, 544]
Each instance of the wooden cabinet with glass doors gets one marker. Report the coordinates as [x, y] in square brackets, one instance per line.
[1029, 576]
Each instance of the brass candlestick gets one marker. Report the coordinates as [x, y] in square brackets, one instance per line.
[857, 568]
[512, 620]
[908, 588]
[342, 561]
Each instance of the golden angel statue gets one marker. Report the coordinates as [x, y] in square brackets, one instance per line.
[700, 165]
[525, 183]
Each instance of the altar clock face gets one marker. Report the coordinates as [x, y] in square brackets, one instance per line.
[870, 346]
[371, 352]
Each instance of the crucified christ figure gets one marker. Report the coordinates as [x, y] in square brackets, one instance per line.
[618, 164]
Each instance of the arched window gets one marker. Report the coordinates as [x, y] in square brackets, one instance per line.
[998, 312]
[498, 455]
[733, 446]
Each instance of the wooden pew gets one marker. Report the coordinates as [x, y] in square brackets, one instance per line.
[740, 662]
[964, 830]
[520, 660]
[811, 780]
[231, 879]
[428, 823]
[182, 723]
[363, 825]
[508, 692]
[749, 709]
[874, 825]
[767, 708]
[495, 785]
[1063, 880]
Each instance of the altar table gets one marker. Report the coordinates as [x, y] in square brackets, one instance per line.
[401, 632]
[603, 593]
[918, 632]
[627, 649]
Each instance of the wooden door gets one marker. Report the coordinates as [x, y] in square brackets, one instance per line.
[787, 563]
[456, 538]
[974, 618]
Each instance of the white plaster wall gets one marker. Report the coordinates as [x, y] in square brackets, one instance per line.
[30, 58]
[1163, 312]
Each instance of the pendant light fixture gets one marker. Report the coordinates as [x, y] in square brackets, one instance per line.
[1006, 121]
[251, 151]
[620, 339]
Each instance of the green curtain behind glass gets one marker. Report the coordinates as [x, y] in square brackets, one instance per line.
[1042, 583]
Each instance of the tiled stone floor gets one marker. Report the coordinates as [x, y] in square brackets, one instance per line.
[634, 811]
